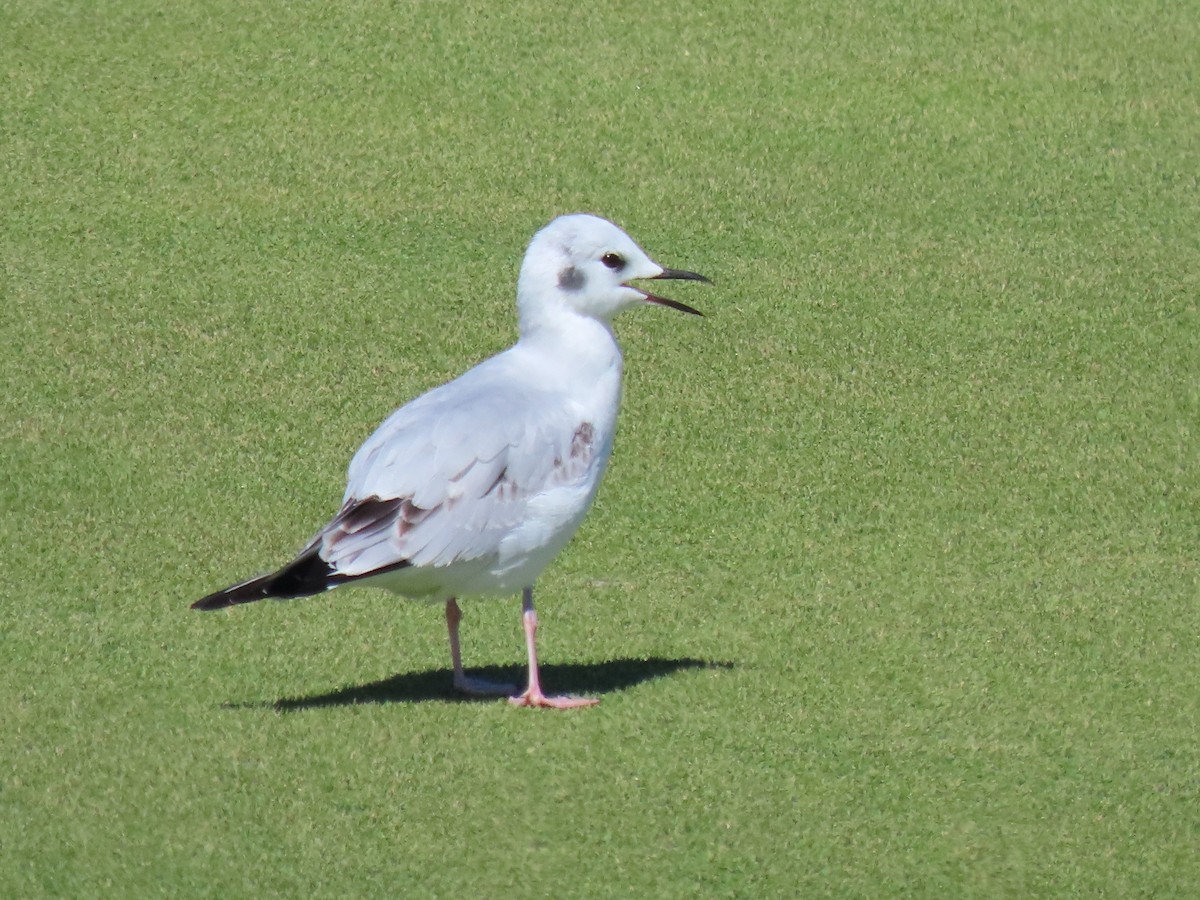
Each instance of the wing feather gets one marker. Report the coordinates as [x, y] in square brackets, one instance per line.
[446, 477]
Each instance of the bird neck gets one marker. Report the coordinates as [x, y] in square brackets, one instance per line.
[587, 344]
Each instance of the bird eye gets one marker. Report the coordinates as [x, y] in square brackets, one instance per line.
[613, 260]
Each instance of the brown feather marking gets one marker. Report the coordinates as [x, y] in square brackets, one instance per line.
[412, 515]
[501, 485]
[579, 456]
[357, 515]
[581, 443]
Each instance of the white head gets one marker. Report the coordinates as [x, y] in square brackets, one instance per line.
[583, 264]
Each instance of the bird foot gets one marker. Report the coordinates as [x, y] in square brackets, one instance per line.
[479, 687]
[537, 699]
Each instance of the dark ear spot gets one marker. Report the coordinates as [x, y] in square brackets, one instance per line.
[570, 279]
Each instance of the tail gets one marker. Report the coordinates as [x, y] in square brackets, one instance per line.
[304, 576]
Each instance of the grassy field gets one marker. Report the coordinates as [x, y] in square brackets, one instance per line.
[894, 584]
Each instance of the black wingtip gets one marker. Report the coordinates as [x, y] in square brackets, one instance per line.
[219, 600]
[304, 576]
[245, 592]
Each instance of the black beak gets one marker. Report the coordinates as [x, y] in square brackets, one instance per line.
[680, 275]
[676, 275]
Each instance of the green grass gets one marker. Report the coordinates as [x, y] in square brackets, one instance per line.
[894, 584]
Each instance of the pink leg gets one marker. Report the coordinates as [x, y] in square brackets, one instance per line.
[533, 695]
[461, 681]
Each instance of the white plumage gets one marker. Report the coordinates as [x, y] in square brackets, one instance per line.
[475, 486]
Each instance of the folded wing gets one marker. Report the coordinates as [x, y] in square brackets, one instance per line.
[446, 477]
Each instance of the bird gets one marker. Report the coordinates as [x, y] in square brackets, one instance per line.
[472, 488]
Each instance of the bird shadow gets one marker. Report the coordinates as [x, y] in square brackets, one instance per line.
[436, 685]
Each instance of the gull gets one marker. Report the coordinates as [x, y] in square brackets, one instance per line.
[474, 487]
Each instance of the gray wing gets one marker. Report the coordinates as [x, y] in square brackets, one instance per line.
[447, 477]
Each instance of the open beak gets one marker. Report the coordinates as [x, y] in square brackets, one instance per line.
[675, 275]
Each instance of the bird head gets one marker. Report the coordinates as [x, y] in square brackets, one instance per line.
[586, 264]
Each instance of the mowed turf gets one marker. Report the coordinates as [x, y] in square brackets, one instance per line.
[893, 584]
